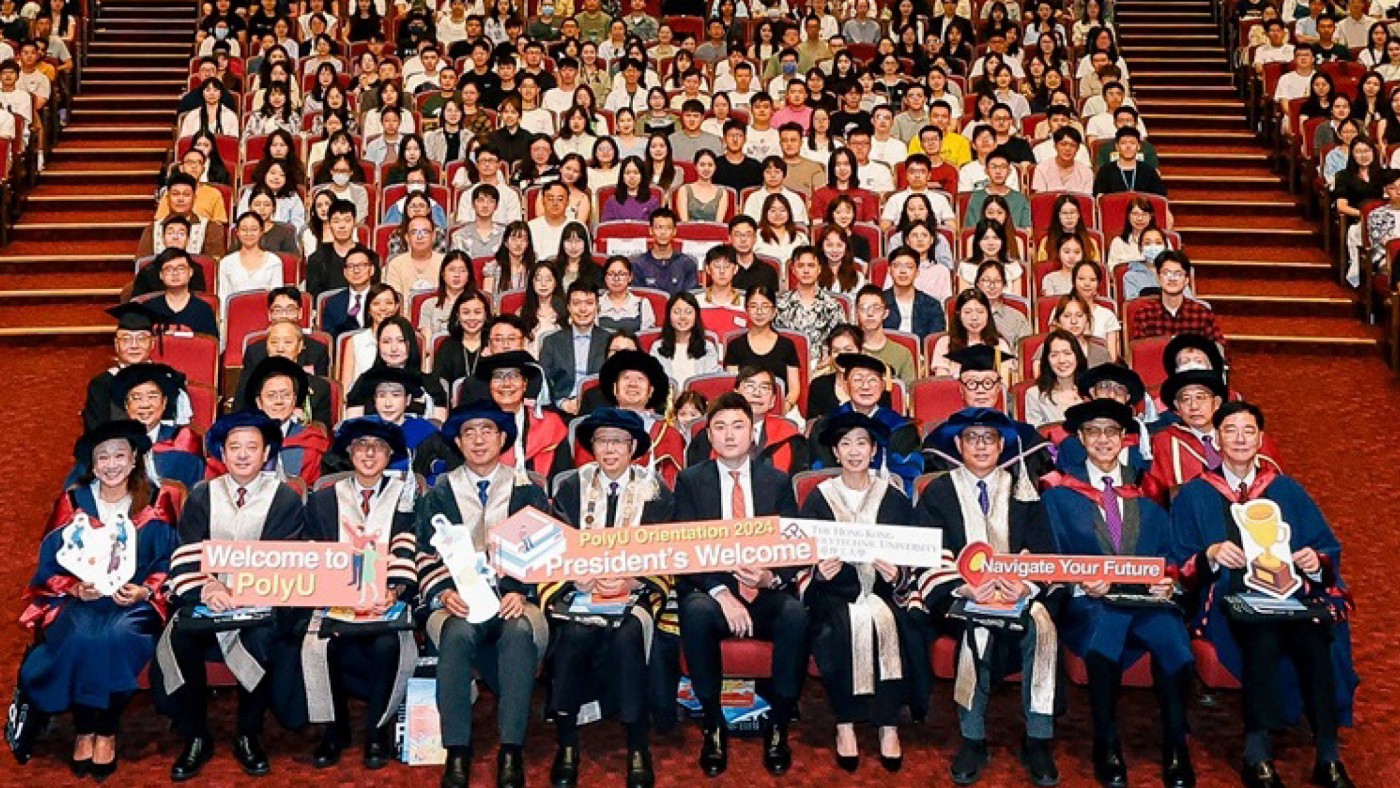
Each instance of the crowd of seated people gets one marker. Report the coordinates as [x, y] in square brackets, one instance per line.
[835, 261]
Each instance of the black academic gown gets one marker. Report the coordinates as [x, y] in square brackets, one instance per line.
[663, 666]
[354, 668]
[939, 508]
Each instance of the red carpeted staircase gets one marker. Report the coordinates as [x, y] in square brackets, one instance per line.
[71, 252]
[1260, 263]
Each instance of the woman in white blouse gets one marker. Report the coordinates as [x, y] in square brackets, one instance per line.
[249, 267]
[683, 350]
[778, 234]
[1103, 321]
[1060, 361]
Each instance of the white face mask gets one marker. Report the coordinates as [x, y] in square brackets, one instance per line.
[414, 188]
[340, 178]
[1150, 252]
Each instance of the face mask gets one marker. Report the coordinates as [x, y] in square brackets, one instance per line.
[546, 10]
[221, 33]
[789, 68]
[414, 188]
[340, 178]
[1151, 251]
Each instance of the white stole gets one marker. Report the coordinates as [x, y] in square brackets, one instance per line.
[873, 627]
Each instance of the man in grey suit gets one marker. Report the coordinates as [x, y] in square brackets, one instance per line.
[576, 350]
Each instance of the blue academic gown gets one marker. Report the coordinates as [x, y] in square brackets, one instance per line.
[1200, 518]
[91, 651]
[1093, 626]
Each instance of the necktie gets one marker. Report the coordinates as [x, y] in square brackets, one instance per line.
[483, 489]
[738, 509]
[1112, 517]
[983, 500]
[1212, 456]
[612, 503]
[242, 497]
[365, 495]
[355, 307]
[1243, 492]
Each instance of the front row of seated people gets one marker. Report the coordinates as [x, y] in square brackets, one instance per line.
[1115, 487]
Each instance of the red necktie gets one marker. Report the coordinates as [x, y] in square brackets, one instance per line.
[738, 510]
[1244, 492]
[365, 495]
[242, 497]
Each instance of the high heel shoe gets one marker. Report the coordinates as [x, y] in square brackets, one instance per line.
[847, 763]
[101, 771]
[892, 763]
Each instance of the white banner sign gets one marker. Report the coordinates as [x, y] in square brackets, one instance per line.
[900, 545]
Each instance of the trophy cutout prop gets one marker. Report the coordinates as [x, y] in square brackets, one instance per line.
[1265, 538]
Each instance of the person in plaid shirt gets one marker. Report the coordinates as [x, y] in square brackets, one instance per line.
[1174, 313]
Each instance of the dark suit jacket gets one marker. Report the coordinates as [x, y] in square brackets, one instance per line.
[557, 358]
[697, 498]
[335, 314]
[928, 315]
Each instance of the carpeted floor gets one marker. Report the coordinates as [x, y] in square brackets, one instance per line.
[1331, 415]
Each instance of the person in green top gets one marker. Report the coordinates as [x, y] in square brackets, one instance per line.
[544, 26]
[871, 312]
[592, 22]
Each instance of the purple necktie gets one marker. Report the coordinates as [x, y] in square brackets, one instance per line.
[1112, 517]
[1212, 456]
[983, 500]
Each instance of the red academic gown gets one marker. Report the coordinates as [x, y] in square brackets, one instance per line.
[542, 438]
[1178, 457]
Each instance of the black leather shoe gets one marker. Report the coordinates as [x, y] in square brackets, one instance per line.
[1261, 775]
[1332, 775]
[1039, 758]
[198, 750]
[968, 764]
[379, 750]
[714, 750]
[458, 771]
[248, 751]
[639, 773]
[564, 772]
[1176, 768]
[327, 753]
[777, 755]
[510, 767]
[1109, 767]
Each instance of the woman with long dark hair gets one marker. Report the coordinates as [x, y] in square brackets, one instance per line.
[544, 309]
[1060, 361]
[574, 260]
[972, 325]
[683, 351]
[635, 198]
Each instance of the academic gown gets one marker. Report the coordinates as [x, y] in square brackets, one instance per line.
[318, 396]
[902, 458]
[1087, 625]
[780, 444]
[283, 519]
[932, 597]
[541, 439]
[1178, 456]
[307, 657]
[829, 604]
[90, 651]
[1039, 459]
[655, 606]
[1200, 517]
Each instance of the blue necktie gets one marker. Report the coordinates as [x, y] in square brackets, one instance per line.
[482, 490]
[983, 500]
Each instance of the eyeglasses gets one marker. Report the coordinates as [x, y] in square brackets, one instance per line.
[980, 385]
[369, 446]
[420, 233]
[1102, 432]
[284, 311]
[134, 340]
[480, 431]
[358, 266]
[980, 437]
[754, 387]
[175, 269]
[144, 399]
[279, 396]
[617, 274]
[872, 309]
[614, 443]
[507, 376]
[1172, 276]
[761, 309]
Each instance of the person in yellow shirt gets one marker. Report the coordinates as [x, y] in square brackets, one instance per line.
[956, 150]
[208, 201]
